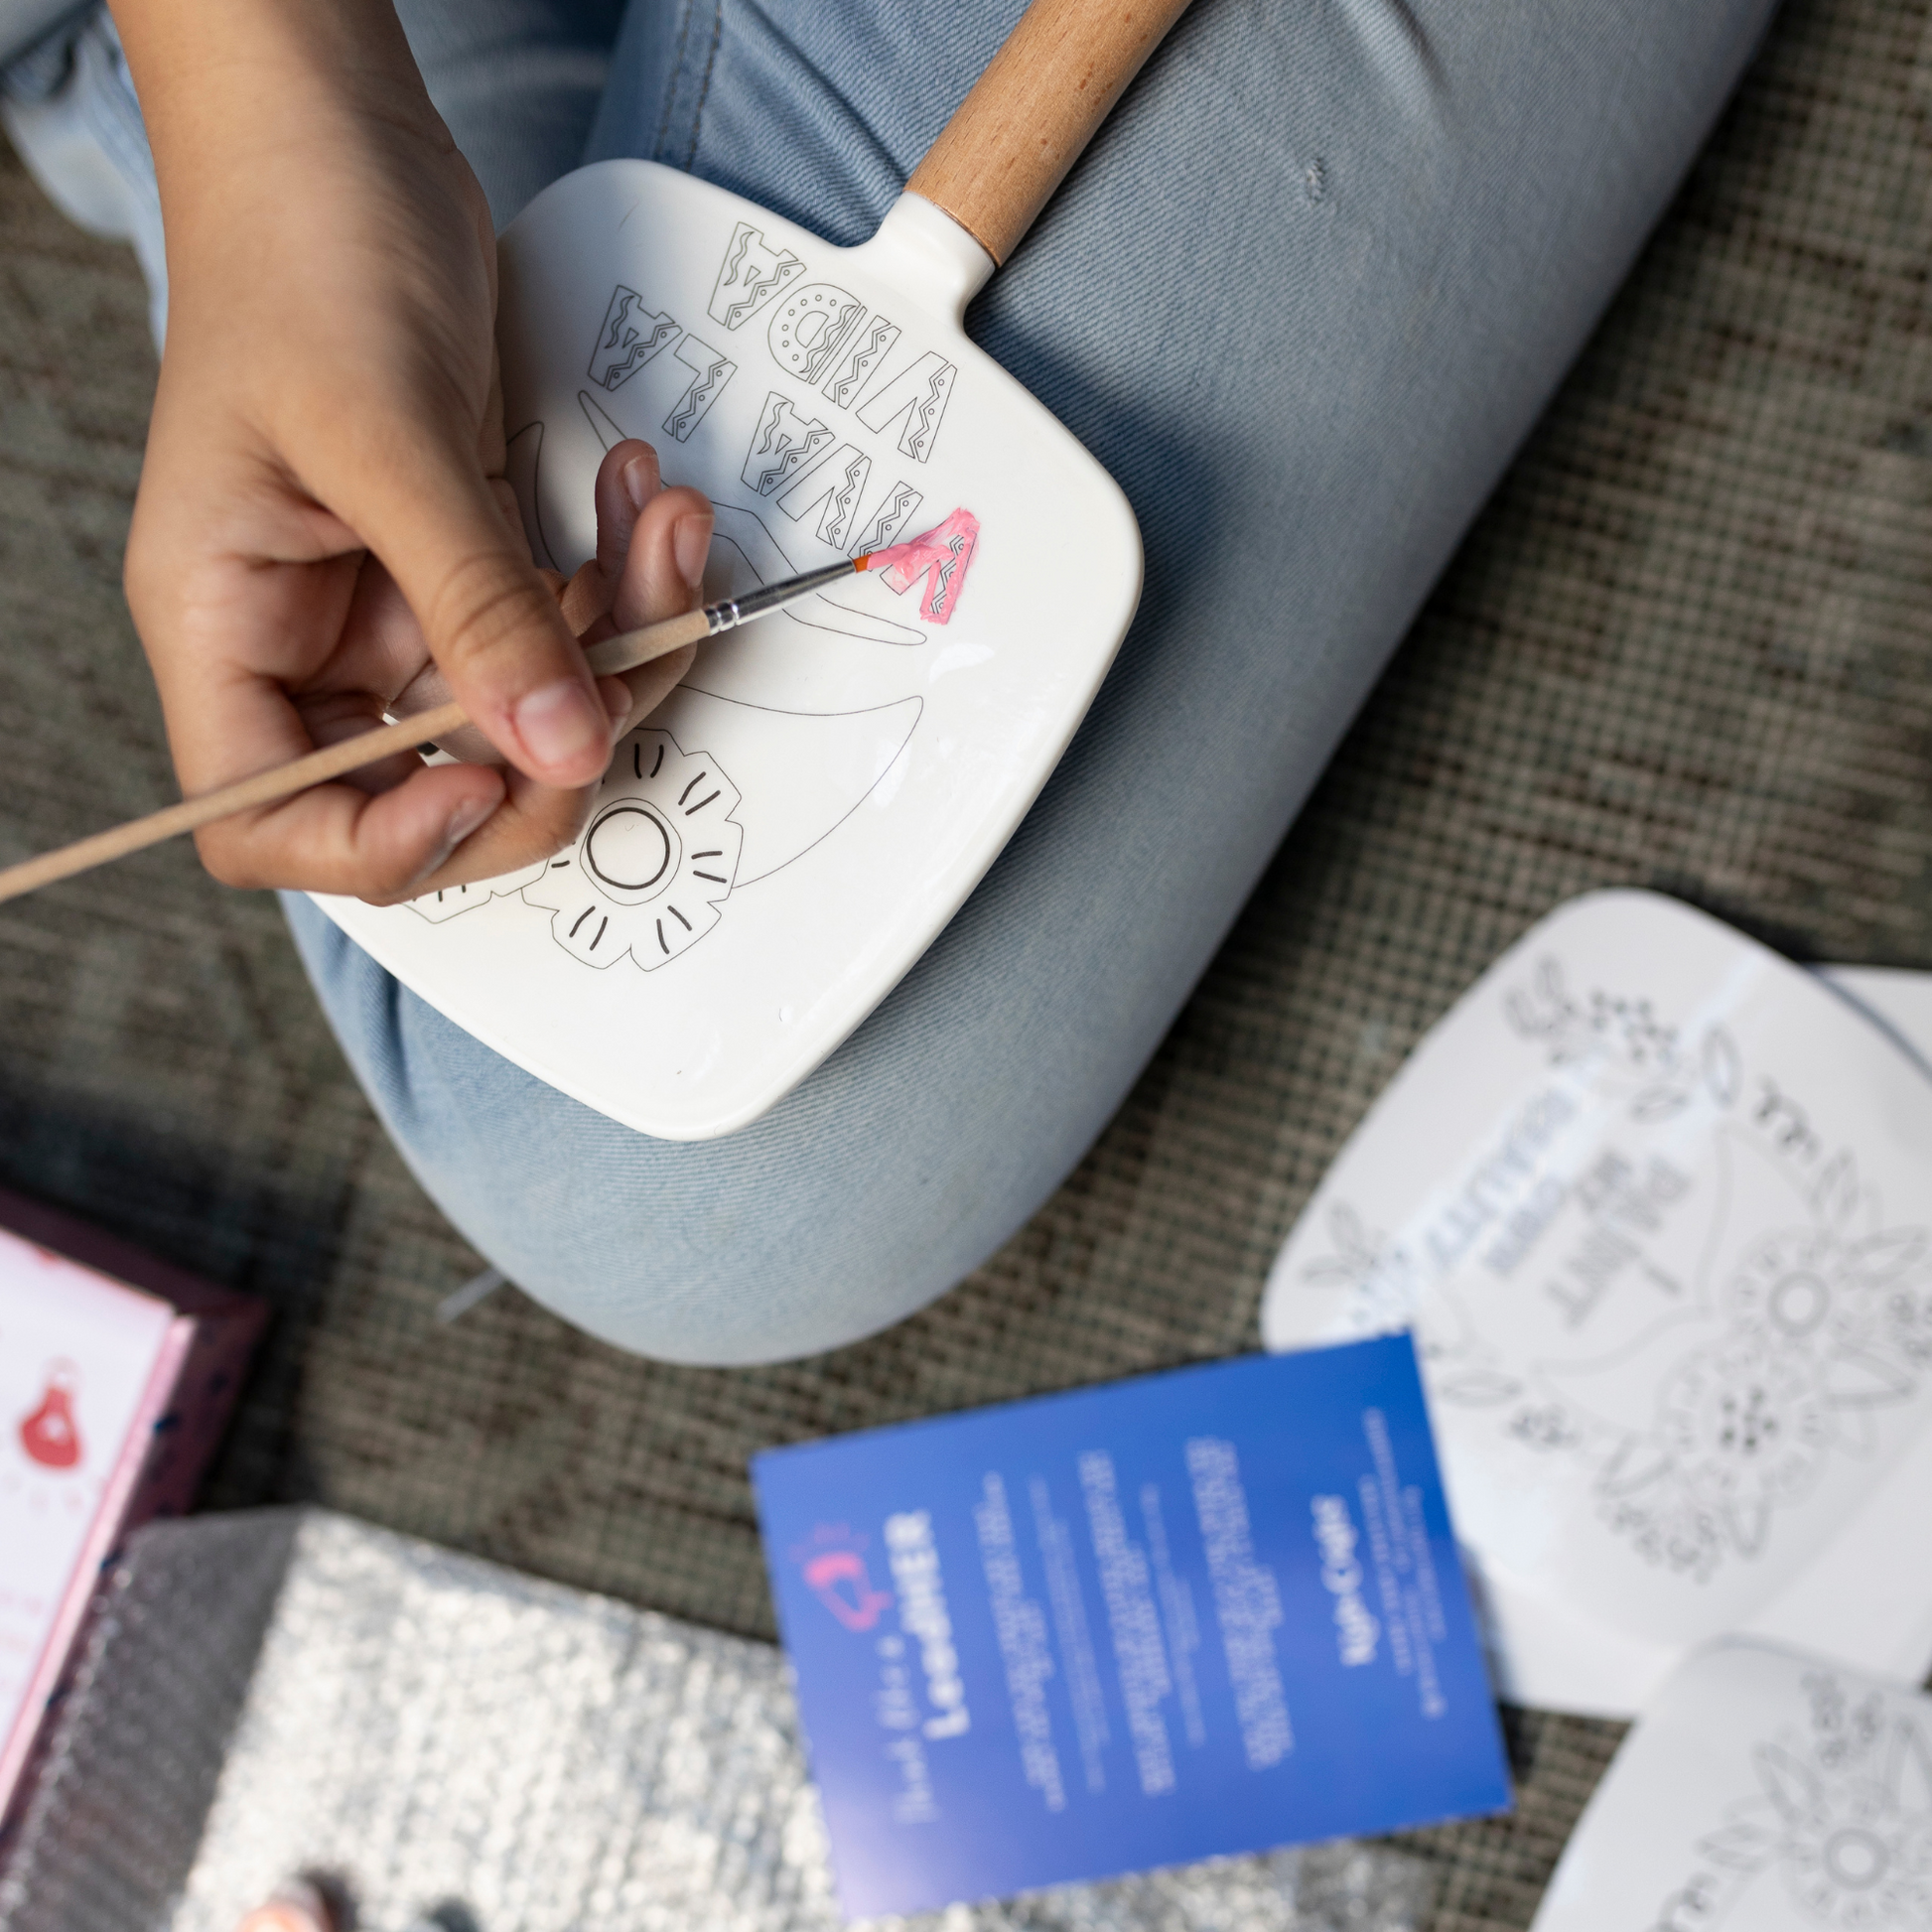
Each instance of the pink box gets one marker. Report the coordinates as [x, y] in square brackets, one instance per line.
[117, 1374]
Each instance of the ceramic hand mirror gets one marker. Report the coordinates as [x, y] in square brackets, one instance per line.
[779, 843]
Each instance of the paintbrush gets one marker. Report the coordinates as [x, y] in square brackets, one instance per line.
[623, 652]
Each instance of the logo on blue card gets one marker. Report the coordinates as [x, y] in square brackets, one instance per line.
[833, 1565]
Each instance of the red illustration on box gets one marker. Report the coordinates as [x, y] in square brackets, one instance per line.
[51, 1436]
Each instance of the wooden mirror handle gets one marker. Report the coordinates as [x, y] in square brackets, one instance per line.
[1034, 110]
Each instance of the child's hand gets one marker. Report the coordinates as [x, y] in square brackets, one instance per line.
[651, 545]
[322, 512]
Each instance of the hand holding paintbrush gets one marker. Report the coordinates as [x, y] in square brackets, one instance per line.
[624, 651]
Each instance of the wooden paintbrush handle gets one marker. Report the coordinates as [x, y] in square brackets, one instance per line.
[1034, 110]
[623, 652]
[264, 789]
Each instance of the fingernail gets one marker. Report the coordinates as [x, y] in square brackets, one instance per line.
[561, 723]
[464, 820]
[691, 540]
[456, 828]
[639, 476]
[297, 1895]
[618, 701]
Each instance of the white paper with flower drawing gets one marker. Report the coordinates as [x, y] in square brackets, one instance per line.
[1764, 1791]
[1659, 1207]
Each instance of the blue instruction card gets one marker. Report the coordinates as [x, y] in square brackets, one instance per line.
[1198, 1613]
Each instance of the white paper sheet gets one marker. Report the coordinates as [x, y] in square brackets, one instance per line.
[76, 1352]
[1659, 1207]
[1764, 1791]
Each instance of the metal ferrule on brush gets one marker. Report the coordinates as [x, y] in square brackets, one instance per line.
[771, 596]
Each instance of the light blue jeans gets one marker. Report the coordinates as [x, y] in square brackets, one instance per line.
[1303, 298]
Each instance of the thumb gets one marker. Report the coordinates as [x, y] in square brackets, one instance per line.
[492, 624]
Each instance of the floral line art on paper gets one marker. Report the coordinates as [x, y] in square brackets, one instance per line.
[1772, 1344]
[1840, 1821]
[1625, 1035]
[1822, 1333]
[449, 901]
[645, 878]
[1380, 1277]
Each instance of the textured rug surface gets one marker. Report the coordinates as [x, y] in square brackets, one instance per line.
[1689, 644]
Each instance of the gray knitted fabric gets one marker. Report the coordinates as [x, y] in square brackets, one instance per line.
[1686, 645]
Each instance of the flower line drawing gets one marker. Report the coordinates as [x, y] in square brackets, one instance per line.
[1842, 1814]
[1627, 1033]
[648, 874]
[1747, 1369]
[1818, 1328]
[1382, 1280]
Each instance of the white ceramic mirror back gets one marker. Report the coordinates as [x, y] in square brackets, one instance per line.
[779, 843]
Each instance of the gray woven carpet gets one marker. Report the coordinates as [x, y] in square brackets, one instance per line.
[1689, 644]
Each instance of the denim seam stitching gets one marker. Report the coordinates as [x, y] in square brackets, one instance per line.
[670, 84]
[704, 84]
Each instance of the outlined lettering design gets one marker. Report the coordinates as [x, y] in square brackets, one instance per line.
[761, 559]
[889, 519]
[752, 274]
[630, 337]
[832, 486]
[870, 346]
[808, 328]
[658, 855]
[917, 394]
[781, 443]
[710, 372]
[940, 557]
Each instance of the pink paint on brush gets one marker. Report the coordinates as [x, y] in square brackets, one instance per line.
[940, 556]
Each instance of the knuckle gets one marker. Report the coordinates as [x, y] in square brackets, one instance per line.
[225, 856]
[142, 568]
[401, 879]
[544, 826]
[485, 605]
[518, 836]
